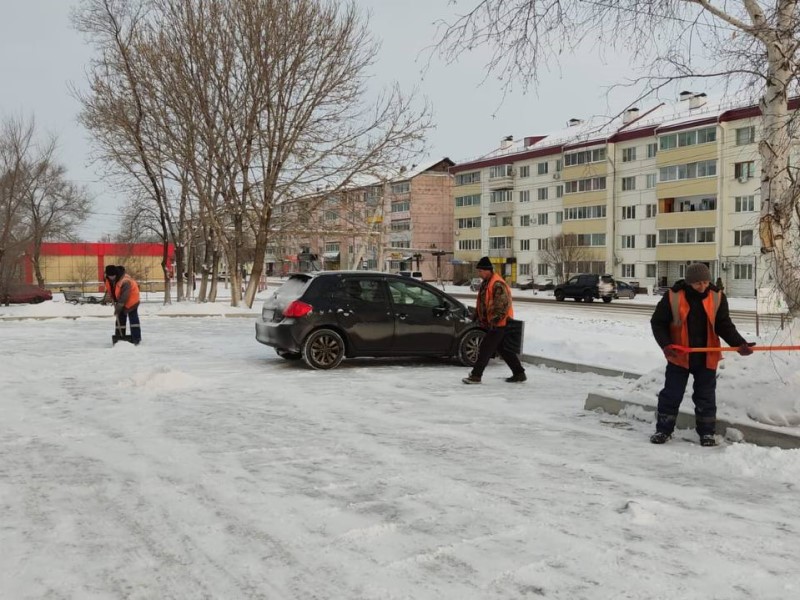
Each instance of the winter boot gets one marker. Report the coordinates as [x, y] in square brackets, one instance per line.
[659, 437]
[517, 378]
[471, 379]
[708, 439]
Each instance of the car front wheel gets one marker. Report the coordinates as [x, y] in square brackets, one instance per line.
[559, 295]
[469, 347]
[323, 349]
[607, 299]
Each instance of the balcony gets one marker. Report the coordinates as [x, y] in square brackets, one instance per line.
[501, 177]
[501, 253]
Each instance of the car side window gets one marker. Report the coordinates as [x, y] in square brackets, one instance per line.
[360, 290]
[404, 293]
[573, 281]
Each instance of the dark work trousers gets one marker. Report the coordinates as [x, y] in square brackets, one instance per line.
[122, 319]
[704, 397]
[493, 342]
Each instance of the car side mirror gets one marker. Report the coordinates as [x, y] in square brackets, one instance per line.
[440, 311]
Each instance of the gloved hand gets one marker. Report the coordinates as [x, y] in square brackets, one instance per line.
[745, 349]
[670, 352]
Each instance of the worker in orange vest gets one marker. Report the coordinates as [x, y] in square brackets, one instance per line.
[695, 314]
[492, 311]
[123, 291]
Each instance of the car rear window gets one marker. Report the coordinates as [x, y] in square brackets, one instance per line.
[293, 287]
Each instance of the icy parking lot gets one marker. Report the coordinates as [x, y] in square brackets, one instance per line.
[201, 465]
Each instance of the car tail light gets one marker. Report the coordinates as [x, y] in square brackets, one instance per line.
[297, 309]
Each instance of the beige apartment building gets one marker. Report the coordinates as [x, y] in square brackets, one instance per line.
[404, 224]
[643, 196]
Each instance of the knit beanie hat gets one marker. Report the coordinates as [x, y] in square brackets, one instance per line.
[697, 272]
[485, 263]
[111, 271]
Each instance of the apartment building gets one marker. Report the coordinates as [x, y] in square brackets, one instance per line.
[639, 197]
[402, 224]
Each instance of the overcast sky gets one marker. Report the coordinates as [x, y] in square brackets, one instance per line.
[41, 55]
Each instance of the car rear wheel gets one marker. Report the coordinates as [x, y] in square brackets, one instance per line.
[323, 349]
[469, 347]
[289, 355]
[588, 296]
[607, 299]
[559, 295]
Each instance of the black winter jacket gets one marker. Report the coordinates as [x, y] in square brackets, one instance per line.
[696, 321]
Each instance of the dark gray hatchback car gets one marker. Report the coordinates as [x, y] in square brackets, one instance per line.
[325, 317]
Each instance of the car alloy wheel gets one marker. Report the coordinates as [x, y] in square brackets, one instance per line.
[469, 347]
[323, 349]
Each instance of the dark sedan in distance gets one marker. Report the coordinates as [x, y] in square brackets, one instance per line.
[327, 316]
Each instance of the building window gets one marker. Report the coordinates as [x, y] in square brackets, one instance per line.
[628, 241]
[497, 196]
[628, 212]
[651, 150]
[585, 212]
[743, 271]
[745, 135]
[500, 243]
[469, 244]
[743, 237]
[651, 180]
[628, 154]
[541, 194]
[591, 239]
[524, 220]
[651, 210]
[541, 244]
[507, 221]
[524, 268]
[559, 191]
[586, 156]
[688, 138]
[466, 223]
[541, 219]
[467, 178]
[699, 235]
[525, 196]
[541, 269]
[524, 245]
[744, 170]
[403, 206]
[405, 224]
[559, 217]
[650, 240]
[473, 200]
[541, 168]
[525, 171]
[745, 203]
[703, 168]
[629, 270]
[705, 235]
[585, 185]
[401, 188]
[650, 270]
[628, 184]
[500, 171]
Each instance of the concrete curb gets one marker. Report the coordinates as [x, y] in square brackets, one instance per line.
[576, 367]
[752, 435]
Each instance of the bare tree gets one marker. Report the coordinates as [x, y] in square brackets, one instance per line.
[241, 105]
[36, 200]
[562, 254]
[751, 44]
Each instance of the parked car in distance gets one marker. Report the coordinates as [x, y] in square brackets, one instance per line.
[586, 287]
[326, 316]
[25, 293]
[625, 290]
[526, 285]
[475, 284]
[412, 274]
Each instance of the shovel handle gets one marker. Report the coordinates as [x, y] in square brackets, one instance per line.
[734, 349]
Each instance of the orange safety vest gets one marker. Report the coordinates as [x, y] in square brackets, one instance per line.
[489, 300]
[679, 330]
[133, 297]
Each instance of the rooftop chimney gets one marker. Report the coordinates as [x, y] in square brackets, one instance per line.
[685, 95]
[507, 142]
[573, 122]
[630, 115]
[533, 139]
[697, 101]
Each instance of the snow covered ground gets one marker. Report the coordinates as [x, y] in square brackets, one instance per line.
[201, 465]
